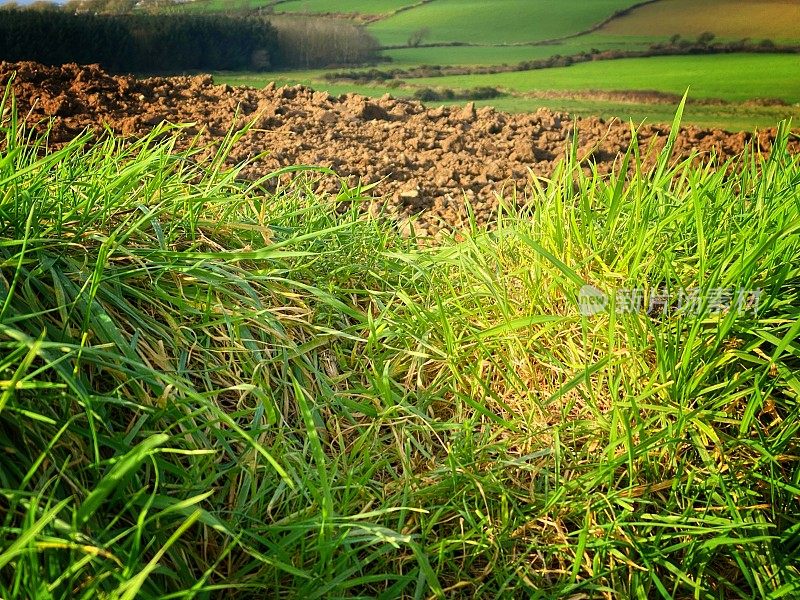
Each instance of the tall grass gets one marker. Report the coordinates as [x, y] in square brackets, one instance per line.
[209, 389]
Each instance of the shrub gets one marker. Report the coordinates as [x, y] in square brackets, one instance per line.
[428, 94]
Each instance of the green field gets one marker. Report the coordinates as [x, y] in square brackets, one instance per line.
[497, 22]
[220, 6]
[498, 54]
[310, 79]
[366, 7]
[732, 77]
[731, 116]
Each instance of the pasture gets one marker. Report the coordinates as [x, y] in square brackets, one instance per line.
[730, 77]
[741, 81]
[508, 54]
[585, 104]
[507, 32]
[363, 7]
[498, 22]
[219, 6]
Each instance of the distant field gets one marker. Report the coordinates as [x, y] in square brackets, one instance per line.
[368, 7]
[498, 22]
[732, 19]
[220, 5]
[732, 77]
[496, 55]
[504, 31]
[732, 117]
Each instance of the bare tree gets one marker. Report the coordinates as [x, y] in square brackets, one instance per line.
[418, 36]
[307, 41]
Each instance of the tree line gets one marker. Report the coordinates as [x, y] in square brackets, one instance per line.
[147, 42]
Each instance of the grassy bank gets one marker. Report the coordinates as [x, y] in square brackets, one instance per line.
[210, 387]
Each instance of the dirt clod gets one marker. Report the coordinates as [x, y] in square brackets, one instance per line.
[426, 160]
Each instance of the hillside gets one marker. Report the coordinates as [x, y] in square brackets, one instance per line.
[498, 22]
[777, 20]
[455, 32]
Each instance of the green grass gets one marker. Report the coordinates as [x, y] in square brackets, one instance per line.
[310, 79]
[733, 77]
[218, 6]
[497, 55]
[497, 22]
[465, 55]
[364, 7]
[216, 388]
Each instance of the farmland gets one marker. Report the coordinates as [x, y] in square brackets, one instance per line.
[751, 87]
[299, 334]
[499, 22]
[734, 77]
[728, 19]
[364, 7]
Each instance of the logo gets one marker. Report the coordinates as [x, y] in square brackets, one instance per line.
[591, 301]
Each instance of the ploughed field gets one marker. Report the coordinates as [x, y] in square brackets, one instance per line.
[425, 161]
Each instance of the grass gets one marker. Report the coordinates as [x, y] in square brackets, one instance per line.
[307, 78]
[497, 55]
[218, 6]
[364, 7]
[498, 22]
[728, 19]
[732, 77]
[212, 387]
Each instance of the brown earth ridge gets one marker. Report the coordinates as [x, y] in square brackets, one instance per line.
[426, 161]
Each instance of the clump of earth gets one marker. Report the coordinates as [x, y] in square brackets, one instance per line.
[425, 161]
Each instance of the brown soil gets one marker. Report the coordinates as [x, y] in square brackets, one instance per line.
[426, 160]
